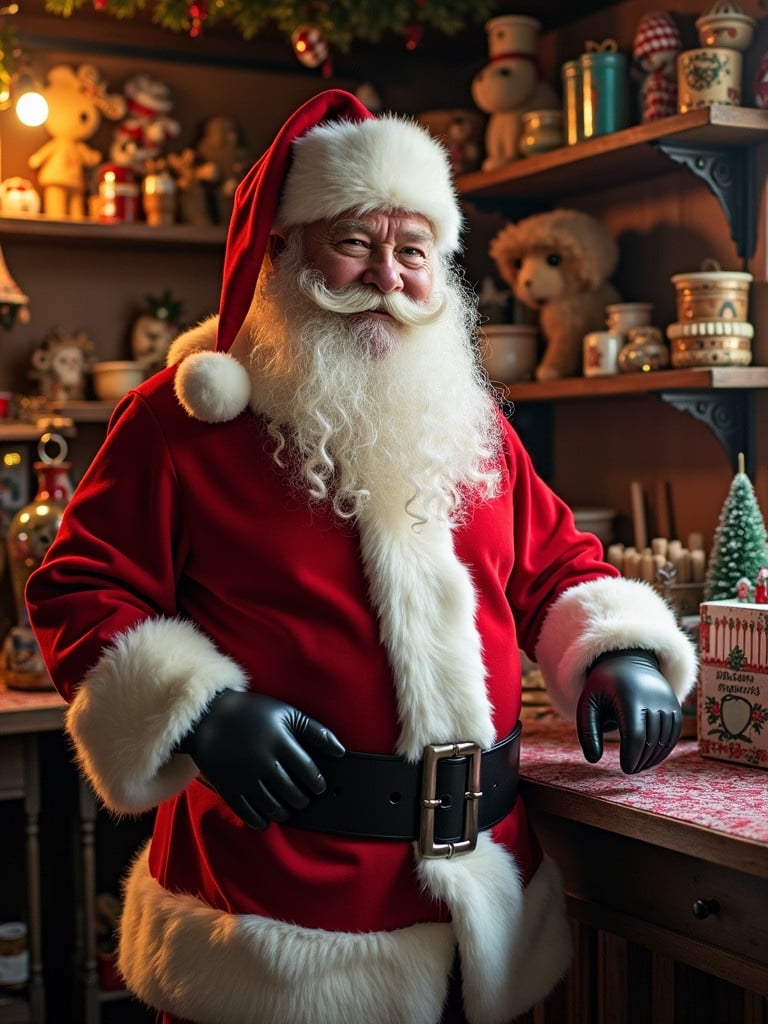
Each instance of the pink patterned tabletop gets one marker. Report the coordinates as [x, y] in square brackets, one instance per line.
[726, 798]
[29, 711]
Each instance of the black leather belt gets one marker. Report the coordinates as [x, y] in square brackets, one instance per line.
[442, 801]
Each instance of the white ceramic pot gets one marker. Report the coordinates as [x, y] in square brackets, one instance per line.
[509, 351]
[596, 520]
[111, 380]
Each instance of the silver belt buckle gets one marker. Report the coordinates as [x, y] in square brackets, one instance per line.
[430, 801]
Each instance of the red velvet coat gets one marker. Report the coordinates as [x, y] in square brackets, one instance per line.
[185, 565]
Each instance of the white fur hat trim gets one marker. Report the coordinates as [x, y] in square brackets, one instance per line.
[386, 163]
[213, 386]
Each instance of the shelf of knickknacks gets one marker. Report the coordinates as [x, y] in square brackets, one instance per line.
[23, 226]
[713, 142]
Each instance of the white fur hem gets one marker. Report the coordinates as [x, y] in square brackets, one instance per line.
[514, 942]
[183, 957]
[144, 694]
[609, 615]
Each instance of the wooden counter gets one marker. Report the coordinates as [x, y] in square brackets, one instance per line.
[666, 876]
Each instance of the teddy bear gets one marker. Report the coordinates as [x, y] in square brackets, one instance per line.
[559, 264]
[76, 99]
[510, 85]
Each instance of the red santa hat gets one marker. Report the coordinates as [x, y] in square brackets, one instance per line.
[331, 156]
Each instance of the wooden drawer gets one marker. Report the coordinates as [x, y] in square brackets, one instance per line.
[659, 887]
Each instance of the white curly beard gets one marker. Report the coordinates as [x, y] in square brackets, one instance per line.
[379, 411]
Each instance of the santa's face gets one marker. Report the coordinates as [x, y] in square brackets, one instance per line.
[388, 252]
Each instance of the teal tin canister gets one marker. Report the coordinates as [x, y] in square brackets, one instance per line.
[573, 124]
[605, 91]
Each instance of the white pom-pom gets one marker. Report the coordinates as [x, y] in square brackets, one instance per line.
[212, 386]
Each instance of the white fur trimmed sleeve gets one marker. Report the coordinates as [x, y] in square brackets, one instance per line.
[605, 615]
[149, 687]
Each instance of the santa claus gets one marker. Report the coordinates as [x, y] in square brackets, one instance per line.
[307, 658]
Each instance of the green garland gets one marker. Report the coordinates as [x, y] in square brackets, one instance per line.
[341, 21]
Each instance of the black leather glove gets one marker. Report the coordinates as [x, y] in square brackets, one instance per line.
[626, 690]
[252, 750]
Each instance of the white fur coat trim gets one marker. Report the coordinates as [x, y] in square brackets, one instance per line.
[179, 955]
[514, 942]
[143, 695]
[609, 615]
[425, 603]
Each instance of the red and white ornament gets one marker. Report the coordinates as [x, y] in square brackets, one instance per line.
[17, 195]
[309, 45]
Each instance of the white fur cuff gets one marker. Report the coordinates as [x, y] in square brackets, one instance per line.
[143, 695]
[609, 615]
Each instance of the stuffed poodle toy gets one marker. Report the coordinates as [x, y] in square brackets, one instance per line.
[558, 263]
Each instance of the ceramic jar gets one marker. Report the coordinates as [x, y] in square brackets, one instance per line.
[712, 293]
[542, 131]
[712, 327]
[601, 351]
[623, 316]
[708, 75]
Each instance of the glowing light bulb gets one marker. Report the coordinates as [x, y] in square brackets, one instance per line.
[31, 109]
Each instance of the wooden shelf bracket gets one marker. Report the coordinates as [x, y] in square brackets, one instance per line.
[729, 172]
[729, 414]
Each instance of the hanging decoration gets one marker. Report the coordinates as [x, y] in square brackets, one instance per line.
[13, 301]
[339, 21]
[311, 48]
[8, 55]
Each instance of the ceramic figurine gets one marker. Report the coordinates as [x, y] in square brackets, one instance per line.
[61, 364]
[509, 85]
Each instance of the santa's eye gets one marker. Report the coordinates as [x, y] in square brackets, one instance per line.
[554, 259]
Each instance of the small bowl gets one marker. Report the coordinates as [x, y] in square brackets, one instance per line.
[112, 380]
[596, 520]
[509, 351]
[623, 316]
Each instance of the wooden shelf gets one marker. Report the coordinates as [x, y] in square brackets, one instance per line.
[93, 232]
[623, 156]
[697, 379]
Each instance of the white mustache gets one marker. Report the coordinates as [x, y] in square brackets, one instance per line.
[357, 298]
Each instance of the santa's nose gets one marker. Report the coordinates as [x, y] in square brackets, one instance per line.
[383, 273]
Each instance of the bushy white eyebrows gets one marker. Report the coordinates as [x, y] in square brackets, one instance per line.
[419, 236]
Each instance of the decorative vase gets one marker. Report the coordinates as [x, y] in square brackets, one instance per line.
[30, 534]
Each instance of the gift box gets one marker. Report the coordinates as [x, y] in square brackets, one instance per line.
[733, 682]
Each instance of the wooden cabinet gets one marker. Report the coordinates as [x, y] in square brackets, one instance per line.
[666, 901]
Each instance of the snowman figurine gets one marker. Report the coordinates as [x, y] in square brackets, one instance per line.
[509, 85]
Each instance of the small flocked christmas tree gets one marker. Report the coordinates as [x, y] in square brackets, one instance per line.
[740, 546]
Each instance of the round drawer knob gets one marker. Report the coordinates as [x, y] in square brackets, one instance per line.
[704, 908]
